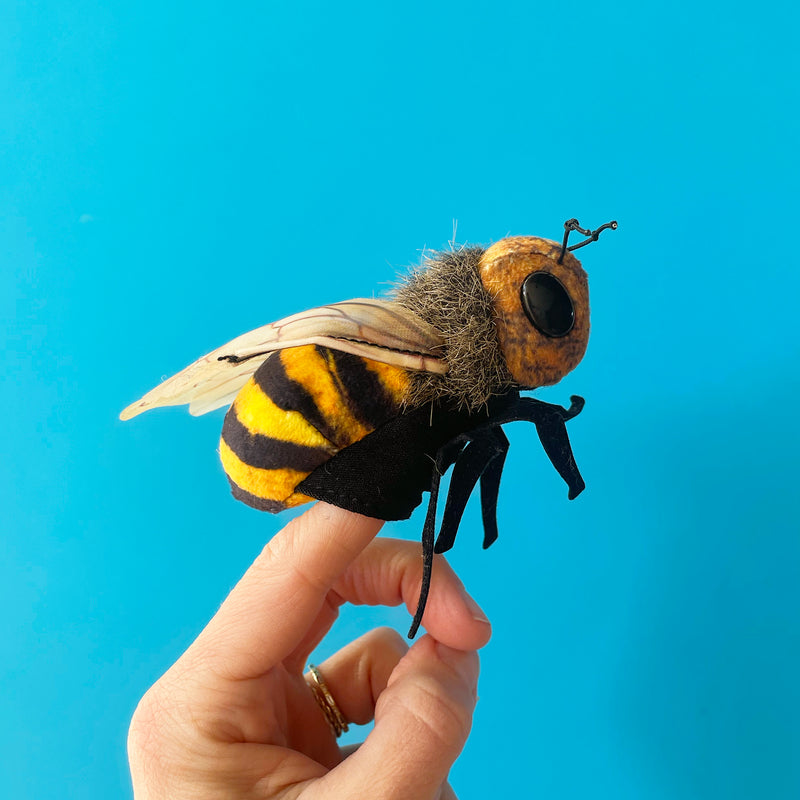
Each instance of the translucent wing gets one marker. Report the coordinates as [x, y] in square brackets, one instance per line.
[378, 329]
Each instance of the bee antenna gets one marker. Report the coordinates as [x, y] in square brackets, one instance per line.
[573, 225]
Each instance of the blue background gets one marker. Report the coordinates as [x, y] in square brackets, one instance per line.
[171, 176]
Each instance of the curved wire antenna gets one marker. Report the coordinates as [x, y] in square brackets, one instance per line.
[573, 225]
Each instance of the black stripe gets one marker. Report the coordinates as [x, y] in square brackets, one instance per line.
[367, 397]
[264, 452]
[254, 501]
[290, 395]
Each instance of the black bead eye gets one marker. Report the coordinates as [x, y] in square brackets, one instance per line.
[547, 304]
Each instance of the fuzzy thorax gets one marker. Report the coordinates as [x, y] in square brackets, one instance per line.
[446, 291]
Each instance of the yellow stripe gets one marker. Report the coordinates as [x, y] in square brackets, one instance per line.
[298, 499]
[394, 379]
[317, 375]
[268, 484]
[260, 415]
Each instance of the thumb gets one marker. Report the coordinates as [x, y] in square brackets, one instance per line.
[422, 720]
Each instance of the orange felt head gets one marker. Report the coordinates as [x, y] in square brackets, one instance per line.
[541, 307]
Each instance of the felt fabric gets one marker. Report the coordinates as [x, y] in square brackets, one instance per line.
[302, 405]
[385, 474]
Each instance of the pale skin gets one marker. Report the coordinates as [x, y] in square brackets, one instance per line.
[234, 717]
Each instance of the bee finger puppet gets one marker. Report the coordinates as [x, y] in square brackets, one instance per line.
[365, 404]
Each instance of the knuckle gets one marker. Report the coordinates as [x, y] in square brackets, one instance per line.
[442, 715]
[146, 731]
[283, 554]
[166, 737]
[388, 639]
[160, 719]
[451, 714]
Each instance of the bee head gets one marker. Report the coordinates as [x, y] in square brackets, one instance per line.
[541, 304]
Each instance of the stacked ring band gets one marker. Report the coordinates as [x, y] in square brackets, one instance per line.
[322, 694]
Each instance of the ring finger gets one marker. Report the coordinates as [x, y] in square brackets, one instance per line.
[359, 672]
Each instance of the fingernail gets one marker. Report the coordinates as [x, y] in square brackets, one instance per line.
[475, 609]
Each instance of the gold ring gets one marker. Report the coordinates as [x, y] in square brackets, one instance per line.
[322, 694]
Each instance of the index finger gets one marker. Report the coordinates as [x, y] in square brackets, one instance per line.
[269, 611]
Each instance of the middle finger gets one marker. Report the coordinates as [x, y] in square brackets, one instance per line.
[389, 572]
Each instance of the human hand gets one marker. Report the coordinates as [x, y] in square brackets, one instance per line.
[234, 717]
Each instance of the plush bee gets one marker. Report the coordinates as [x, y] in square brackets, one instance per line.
[367, 403]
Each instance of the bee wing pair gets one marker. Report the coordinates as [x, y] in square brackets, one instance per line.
[381, 330]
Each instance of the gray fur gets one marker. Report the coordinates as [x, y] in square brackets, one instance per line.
[446, 291]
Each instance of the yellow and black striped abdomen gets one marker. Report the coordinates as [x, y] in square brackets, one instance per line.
[301, 407]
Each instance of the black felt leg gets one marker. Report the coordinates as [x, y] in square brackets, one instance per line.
[576, 404]
[472, 462]
[553, 435]
[427, 553]
[449, 453]
[490, 487]
[551, 427]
